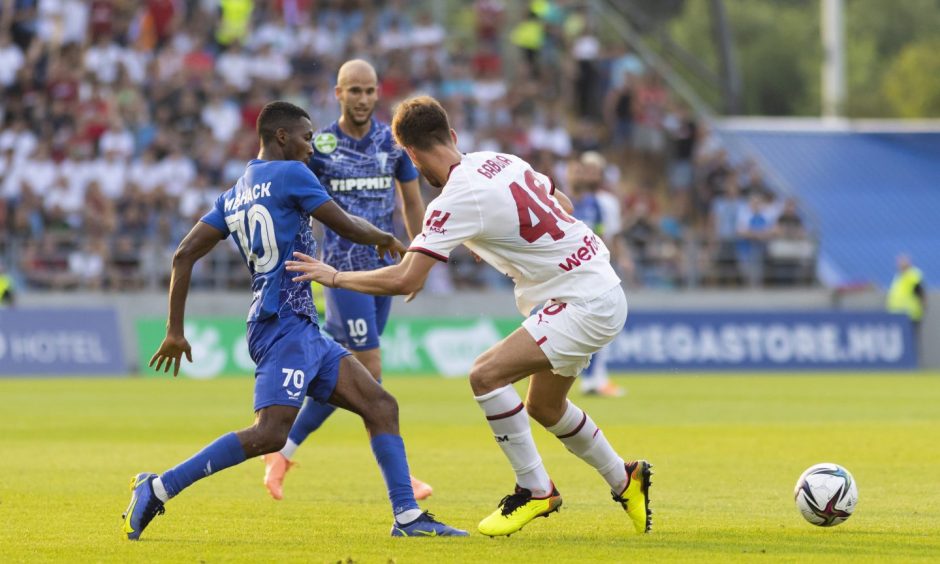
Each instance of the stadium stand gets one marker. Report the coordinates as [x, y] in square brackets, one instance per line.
[874, 194]
[122, 120]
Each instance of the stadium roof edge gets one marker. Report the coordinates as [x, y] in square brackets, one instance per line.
[827, 125]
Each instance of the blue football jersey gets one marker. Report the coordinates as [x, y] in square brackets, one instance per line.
[588, 209]
[359, 174]
[268, 211]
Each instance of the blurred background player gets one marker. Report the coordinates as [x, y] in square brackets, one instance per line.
[267, 212]
[360, 165]
[907, 295]
[502, 210]
[6, 288]
[600, 210]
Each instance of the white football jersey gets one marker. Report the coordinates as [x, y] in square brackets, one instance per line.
[504, 211]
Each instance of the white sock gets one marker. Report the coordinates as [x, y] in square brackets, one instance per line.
[159, 490]
[581, 436]
[290, 447]
[407, 516]
[510, 423]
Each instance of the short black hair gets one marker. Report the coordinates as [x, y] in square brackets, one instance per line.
[277, 115]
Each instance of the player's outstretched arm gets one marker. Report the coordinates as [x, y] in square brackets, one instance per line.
[406, 277]
[358, 230]
[200, 240]
[564, 200]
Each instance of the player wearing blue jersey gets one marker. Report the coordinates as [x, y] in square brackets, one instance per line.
[267, 212]
[361, 166]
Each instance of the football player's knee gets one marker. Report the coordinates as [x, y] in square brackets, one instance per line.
[546, 414]
[482, 377]
[385, 408]
[272, 437]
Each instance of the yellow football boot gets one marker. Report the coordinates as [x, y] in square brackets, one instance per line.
[516, 510]
[635, 498]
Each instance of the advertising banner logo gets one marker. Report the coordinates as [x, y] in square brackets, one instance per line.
[57, 342]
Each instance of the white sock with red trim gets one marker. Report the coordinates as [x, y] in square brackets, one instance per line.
[581, 436]
[507, 417]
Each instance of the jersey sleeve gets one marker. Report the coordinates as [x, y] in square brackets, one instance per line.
[216, 217]
[405, 171]
[448, 222]
[304, 189]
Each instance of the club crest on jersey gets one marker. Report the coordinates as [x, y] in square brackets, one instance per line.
[436, 222]
[382, 158]
[325, 143]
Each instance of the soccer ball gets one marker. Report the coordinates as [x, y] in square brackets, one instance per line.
[826, 494]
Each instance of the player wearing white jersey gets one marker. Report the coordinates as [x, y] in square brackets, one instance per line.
[513, 218]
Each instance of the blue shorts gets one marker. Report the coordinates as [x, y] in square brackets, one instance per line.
[293, 361]
[356, 320]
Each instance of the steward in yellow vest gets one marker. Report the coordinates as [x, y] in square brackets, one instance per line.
[6, 290]
[906, 294]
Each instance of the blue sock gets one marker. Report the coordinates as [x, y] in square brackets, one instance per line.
[389, 452]
[220, 454]
[309, 419]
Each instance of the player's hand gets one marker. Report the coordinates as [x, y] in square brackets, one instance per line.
[312, 270]
[392, 247]
[171, 352]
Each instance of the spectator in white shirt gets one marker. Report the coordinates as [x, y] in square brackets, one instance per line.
[551, 136]
[178, 172]
[222, 117]
[103, 58]
[42, 171]
[234, 67]
[11, 60]
[146, 173]
[427, 32]
[64, 200]
[269, 65]
[19, 138]
[111, 174]
[117, 139]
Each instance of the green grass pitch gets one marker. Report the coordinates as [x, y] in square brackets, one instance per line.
[726, 449]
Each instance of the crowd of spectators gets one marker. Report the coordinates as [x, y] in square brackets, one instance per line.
[123, 120]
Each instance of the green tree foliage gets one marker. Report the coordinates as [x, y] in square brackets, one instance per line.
[777, 46]
[912, 83]
[779, 53]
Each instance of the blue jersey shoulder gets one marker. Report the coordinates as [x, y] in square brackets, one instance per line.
[360, 175]
[267, 211]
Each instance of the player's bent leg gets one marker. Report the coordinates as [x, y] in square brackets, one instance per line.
[371, 359]
[629, 483]
[508, 361]
[491, 377]
[150, 492]
[356, 391]
[270, 431]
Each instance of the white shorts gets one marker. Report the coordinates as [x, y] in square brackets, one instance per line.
[569, 333]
